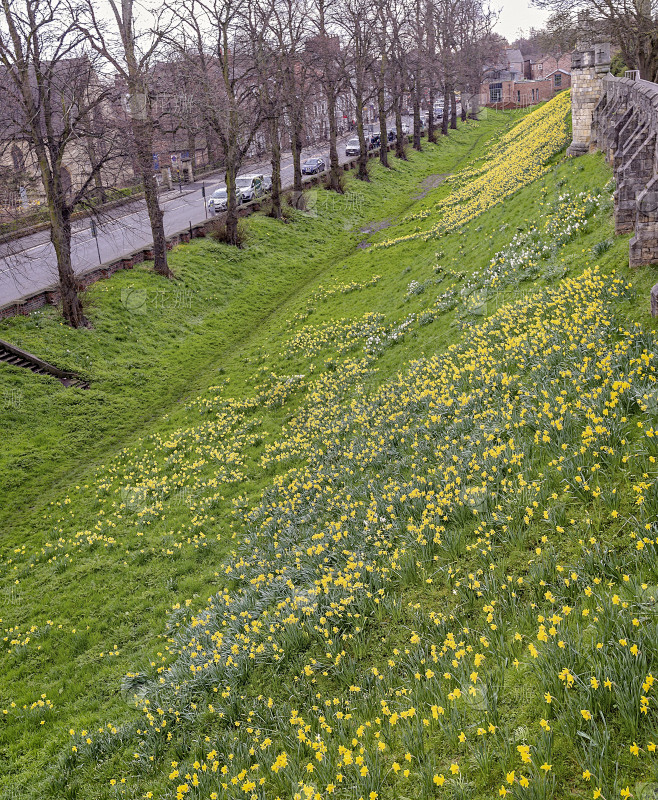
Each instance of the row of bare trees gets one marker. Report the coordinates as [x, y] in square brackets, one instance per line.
[78, 83]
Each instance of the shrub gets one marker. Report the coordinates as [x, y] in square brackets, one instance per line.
[217, 230]
[602, 247]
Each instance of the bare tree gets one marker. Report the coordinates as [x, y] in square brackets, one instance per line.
[212, 37]
[476, 45]
[382, 39]
[630, 24]
[130, 51]
[291, 29]
[264, 31]
[327, 60]
[430, 22]
[558, 36]
[398, 14]
[53, 104]
[357, 24]
[417, 68]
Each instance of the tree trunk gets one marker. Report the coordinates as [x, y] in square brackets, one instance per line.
[444, 120]
[416, 95]
[232, 203]
[362, 173]
[381, 108]
[296, 142]
[463, 112]
[276, 168]
[335, 181]
[647, 59]
[431, 135]
[60, 236]
[400, 148]
[431, 51]
[143, 134]
[453, 110]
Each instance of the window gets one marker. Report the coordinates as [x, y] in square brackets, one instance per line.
[495, 92]
[558, 79]
[518, 96]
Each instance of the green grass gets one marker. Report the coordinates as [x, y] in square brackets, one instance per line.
[159, 370]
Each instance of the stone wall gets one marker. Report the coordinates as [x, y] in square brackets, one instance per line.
[588, 68]
[623, 125]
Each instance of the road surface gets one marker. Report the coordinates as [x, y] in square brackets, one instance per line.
[28, 264]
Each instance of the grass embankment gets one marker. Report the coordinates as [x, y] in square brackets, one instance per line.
[434, 464]
[154, 346]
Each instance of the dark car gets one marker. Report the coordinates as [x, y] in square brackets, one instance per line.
[313, 165]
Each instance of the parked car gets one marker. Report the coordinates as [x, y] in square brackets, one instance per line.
[219, 199]
[405, 128]
[352, 148]
[313, 165]
[251, 186]
[267, 183]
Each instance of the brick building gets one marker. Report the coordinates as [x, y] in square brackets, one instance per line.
[546, 65]
[514, 82]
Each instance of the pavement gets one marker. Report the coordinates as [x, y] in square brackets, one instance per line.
[28, 264]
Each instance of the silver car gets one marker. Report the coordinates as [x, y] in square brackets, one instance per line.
[219, 199]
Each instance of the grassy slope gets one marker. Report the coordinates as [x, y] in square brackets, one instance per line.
[117, 594]
[143, 363]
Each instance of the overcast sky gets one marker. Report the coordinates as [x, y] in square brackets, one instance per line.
[517, 15]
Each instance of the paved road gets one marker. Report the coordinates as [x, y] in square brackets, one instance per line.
[28, 264]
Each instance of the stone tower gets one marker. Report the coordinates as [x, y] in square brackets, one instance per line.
[589, 65]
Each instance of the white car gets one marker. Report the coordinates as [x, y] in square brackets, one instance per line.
[353, 148]
[251, 186]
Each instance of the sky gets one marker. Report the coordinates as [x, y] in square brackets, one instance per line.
[517, 15]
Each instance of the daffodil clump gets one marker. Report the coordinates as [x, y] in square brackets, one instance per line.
[516, 159]
[454, 486]
[442, 584]
[533, 253]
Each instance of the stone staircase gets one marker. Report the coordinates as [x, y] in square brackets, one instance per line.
[10, 354]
